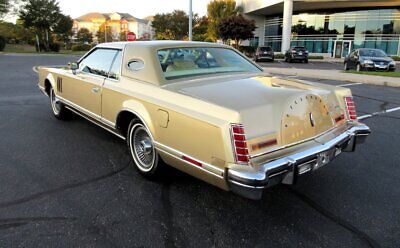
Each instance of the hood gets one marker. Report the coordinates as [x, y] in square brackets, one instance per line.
[269, 107]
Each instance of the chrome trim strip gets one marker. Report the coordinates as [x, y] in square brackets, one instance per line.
[295, 143]
[186, 162]
[260, 174]
[108, 123]
[87, 112]
[94, 122]
[216, 170]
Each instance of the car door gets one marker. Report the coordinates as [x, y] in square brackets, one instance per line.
[85, 88]
[111, 99]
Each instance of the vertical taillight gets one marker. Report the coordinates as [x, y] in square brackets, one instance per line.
[350, 107]
[239, 143]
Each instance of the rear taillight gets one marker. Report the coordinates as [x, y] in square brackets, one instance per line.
[239, 143]
[351, 108]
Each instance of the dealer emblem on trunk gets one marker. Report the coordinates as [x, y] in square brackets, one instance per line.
[312, 120]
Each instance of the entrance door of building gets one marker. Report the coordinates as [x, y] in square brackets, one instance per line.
[342, 48]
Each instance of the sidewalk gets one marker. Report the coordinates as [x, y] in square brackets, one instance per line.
[336, 75]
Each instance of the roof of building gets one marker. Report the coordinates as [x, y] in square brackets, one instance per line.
[92, 15]
[106, 16]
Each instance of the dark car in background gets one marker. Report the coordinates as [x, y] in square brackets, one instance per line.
[297, 53]
[264, 53]
[369, 59]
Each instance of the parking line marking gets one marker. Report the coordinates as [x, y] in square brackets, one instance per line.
[378, 113]
[35, 69]
[343, 85]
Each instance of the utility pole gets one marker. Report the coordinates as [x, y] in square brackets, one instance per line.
[190, 21]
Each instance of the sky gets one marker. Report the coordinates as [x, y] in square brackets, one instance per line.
[137, 8]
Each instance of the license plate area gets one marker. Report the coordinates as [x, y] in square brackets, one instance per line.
[319, 161]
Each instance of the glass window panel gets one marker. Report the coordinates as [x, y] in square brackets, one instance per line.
[392, 47]
[98, 62]
[116, 67]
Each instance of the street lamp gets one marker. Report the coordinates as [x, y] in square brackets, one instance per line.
[190, 20]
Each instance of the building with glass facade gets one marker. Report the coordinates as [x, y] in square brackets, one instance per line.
[332, 28]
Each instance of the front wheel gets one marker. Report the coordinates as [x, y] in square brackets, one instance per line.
[359, 67]
[58, 108]
[142, 150]
[346, 67]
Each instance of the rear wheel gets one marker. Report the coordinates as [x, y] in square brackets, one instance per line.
[306, 61]
[142, 150]
[58, 108]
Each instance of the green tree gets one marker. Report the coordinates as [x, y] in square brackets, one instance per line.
[217, 10]
[122, 36]
[171, 26]
[63, 28]
[236, 28]
[101, 37]
[16, 32]
[200, 25]
[43, 16]
[84, 36]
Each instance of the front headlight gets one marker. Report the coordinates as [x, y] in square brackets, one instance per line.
[392, 63]
[367, 61]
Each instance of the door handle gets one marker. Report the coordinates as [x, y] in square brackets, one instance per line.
[95, 90]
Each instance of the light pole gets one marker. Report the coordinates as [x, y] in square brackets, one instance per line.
[190, 20]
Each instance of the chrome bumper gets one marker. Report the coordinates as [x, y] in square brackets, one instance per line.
[250, 181]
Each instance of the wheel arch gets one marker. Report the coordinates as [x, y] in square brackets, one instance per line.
[131, 111]
[49, 83]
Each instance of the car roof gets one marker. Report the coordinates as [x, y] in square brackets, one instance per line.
[159, 44]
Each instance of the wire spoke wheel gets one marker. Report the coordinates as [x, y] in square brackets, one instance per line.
[142, 148]
[55, 103]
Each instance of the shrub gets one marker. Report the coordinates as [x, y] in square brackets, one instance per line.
[55, 47]
[2, 43]
[248, 50]
[395, 58]
[279, 56]
[316, 57]
[81, 47]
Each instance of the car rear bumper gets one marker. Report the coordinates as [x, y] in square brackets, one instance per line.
[251, 182]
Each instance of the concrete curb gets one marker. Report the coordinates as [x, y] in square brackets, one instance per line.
[337, 75]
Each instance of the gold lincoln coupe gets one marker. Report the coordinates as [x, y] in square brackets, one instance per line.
[207, 110]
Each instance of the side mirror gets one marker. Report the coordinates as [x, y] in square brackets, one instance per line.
[73, 66]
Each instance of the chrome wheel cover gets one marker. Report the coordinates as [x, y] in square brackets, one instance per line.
[55, 103]
[142, 148]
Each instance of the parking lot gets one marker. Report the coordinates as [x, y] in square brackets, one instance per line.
[73, 184]
[312, 64]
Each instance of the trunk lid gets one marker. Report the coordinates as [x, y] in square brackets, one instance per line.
[275, 112]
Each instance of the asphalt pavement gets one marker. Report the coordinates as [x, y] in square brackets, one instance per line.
[69, 184]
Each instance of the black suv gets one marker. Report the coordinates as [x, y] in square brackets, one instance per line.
[369, 59]
[297, 53]
[264, 53]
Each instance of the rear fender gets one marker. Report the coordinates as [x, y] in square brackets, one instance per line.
[138, 109]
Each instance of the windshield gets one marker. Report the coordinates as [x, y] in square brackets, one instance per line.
[194, 61]
[372, 53]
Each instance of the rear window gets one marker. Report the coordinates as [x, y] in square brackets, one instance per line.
[195, 61]
[265, 49]
[299, 48]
